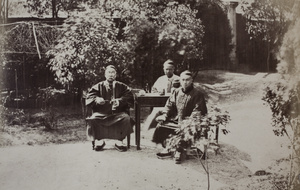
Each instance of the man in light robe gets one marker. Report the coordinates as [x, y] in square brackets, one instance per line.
[180, 105]
[110, 101]
[163, 84]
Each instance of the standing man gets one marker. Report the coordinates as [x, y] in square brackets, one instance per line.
[110, 101]
[162, 84]
[181, 104]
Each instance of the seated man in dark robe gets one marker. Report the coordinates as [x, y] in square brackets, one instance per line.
[181, 104]
[110, 101]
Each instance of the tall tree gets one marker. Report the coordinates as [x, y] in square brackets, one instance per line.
[89, 42]
[267, 21]
[135, 36]
[3, 11]
[53, 7]
[284, 96]
[217, 36]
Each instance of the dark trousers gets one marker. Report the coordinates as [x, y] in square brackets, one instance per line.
[161, 134]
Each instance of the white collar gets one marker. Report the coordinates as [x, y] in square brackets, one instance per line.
[106, 83]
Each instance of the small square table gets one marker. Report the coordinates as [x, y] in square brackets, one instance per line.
[147, 100]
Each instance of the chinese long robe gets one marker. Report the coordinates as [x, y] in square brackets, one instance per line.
[106, 122]
[180, 105]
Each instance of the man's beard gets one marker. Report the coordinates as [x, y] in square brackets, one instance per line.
[110, 80]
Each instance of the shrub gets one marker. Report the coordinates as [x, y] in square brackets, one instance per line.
[196, 130]
[12, 116]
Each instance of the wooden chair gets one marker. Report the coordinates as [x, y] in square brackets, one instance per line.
[87, 112]
[87, 119]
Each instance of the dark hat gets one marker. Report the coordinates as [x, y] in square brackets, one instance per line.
[175, 81]
[189, 73]
[168, 62]
[110, 67]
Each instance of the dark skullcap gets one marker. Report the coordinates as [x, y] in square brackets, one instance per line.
[110, 67]
[176, 81]
[189, 73]
[168, 62]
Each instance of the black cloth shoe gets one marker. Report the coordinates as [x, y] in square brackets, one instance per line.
[121, 148]
[100, 148]
[163, 155]
[179, 157]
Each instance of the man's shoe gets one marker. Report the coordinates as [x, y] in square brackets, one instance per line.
[163, 155]
[100, 148]
[178, 157]
[121, 148]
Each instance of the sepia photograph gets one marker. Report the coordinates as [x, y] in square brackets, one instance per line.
[150, 94]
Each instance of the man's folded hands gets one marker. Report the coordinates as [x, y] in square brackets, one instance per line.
[162, 118]
[99, 100]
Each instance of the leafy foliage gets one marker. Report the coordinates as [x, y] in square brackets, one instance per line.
[284, 105]
[134, 36]
[181, 36]
[283, 96]
[267, 21]
[88, 44]
[195, 129]
[216, 40]
[50, 96]
[45, 7]
[12, 116]
[38, 6]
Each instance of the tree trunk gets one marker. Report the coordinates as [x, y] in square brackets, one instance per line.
[268, 57]
[295, 162]
[54, 12]
[151, 81]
